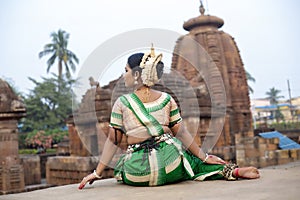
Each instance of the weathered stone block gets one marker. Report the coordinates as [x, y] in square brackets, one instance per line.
[271, 154]
[76, 146]
[240, 154]
[272, 161]
[273, 140]
[282, 161]
[238, 139]
[293, 154]
[282, 153]
[262, 149]
[62, 170]
[262, 140]
[240, 147]
[252, 161]
[298, 154]
[251, 151]
[11, 179]
[263, 162]
[241, 162]
[250, 134]
[32, 169]
[272, 147]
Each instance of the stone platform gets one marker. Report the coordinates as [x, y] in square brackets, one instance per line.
[276, 182]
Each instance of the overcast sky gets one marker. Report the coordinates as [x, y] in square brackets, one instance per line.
[266, 32]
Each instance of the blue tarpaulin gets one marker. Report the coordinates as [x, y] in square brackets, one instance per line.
[284, 142]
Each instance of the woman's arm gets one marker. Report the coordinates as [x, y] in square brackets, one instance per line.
[109, 149]
[188, 141]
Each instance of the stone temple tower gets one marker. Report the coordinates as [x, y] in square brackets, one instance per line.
[223, 52]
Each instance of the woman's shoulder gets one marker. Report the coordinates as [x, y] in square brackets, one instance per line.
[163, 97]
[166, 95]
[162, 93]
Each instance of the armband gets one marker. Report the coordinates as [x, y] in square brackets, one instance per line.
[206, 157]
[96, 175]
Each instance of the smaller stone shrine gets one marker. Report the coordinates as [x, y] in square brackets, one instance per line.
[11, 110]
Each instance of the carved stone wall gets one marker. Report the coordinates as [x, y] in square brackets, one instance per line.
[11, 110]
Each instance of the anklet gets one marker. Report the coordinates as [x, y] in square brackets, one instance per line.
[236, 170]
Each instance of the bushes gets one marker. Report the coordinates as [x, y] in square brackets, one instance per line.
[42, 139]
[35, 151]
[286, 125]
[28, 151]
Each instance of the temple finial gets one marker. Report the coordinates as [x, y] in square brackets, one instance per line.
[201, 8]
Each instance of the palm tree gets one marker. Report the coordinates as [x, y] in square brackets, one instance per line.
[249, 77]
[58, 50]
[272, 95]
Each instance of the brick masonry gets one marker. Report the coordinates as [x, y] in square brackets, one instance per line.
[262, 152]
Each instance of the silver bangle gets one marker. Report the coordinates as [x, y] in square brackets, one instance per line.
[206, 157]
[96, 175]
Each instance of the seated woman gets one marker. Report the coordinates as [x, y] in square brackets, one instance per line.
[160, 149]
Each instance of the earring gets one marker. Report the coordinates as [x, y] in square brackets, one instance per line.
[135, 80]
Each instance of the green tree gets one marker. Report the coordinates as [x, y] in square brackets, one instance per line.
[58, 50]
[273, 96]
[47, 107]
[249, 77]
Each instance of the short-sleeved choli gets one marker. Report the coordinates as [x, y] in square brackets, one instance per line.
[164, 110]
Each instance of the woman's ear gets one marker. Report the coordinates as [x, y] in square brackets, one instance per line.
[137, 74]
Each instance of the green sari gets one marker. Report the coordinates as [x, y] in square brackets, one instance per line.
[161, 159]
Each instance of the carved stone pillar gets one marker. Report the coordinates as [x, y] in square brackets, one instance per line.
[11, 110]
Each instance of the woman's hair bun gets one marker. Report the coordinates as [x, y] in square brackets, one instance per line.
[160, 69]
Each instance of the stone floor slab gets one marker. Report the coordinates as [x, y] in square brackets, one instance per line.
[278, 182]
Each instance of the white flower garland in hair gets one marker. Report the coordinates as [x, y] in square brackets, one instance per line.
[148, 64]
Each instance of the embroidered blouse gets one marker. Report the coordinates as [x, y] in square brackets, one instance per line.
[133, 116]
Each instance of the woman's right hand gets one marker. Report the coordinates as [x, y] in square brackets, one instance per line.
[88, 179]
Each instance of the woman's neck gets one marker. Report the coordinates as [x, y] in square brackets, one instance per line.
[141, 88]
[144, 93]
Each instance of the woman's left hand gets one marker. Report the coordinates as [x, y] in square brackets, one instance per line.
[212, 159]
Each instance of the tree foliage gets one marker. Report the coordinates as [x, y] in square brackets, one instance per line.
[249, 77]
[273, 96]
[58, 50]
[48, 104]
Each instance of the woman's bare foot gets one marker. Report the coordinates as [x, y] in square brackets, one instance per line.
[246, 172]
